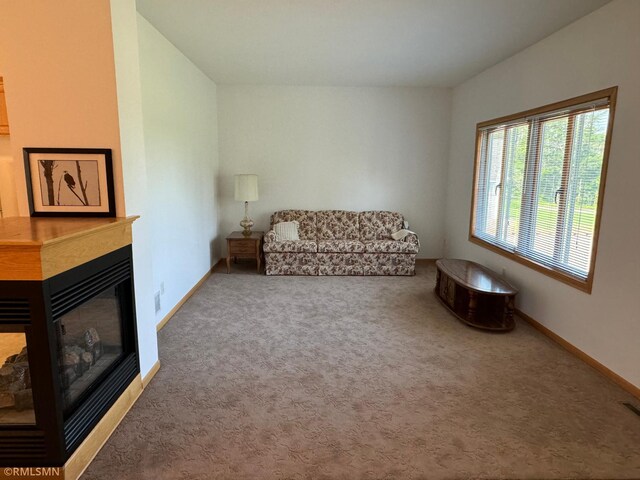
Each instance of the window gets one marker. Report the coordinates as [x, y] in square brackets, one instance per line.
[539, 183]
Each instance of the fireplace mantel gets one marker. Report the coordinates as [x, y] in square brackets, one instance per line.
[39, 248]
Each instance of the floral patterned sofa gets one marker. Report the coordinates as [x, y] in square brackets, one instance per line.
[337, 242]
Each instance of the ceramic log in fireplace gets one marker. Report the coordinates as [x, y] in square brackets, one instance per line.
[67, 333]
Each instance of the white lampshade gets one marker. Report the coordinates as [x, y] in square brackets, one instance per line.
[246, 188]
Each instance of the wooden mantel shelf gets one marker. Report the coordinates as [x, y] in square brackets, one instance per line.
[40, 248]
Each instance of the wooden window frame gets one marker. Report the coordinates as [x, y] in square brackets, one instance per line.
[535, 130]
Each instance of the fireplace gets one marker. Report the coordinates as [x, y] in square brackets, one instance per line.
[67, 353]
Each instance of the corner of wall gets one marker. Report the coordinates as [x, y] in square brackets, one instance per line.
[133, 168]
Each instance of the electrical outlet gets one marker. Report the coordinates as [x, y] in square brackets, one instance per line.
[157, 299]
[161, 288]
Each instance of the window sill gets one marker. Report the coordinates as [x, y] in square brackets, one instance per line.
[583, 285]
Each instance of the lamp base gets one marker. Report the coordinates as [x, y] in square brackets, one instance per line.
[246, 223]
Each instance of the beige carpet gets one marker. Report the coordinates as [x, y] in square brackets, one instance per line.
[363, 378]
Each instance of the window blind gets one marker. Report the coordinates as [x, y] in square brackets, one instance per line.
[538, 184]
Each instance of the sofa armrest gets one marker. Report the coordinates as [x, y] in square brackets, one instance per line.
[270, 236]
[413, 239]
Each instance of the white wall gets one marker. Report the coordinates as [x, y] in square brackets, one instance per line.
[5, 145]
[337, 148]
[8, 199]
[134, 172]
[597, 51]
[181, 145]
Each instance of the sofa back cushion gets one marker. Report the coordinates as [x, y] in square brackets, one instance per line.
[379, 225]
[338, 225]
[306, 219]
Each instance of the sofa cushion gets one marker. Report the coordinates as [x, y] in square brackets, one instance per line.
[379, 225]
[306, 218]
[340, 264]
[340, 246]
[388, 264]
[291, 263]
[390, 246]
[337, 225]
[294, 246]
[287, 230]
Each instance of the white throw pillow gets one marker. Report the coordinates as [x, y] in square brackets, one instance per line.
[401, 234]
[286, 231]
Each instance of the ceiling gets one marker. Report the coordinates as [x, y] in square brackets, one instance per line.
[355, 42]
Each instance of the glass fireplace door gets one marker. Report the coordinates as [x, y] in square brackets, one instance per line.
[16, 396]
[90, 343]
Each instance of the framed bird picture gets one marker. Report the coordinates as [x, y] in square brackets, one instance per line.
[70, 182]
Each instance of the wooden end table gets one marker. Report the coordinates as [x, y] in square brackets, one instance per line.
[475, 294]
[241, 246]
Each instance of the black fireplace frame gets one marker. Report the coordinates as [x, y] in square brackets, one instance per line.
[35, 308]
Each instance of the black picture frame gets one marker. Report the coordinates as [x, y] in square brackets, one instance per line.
[54, 191]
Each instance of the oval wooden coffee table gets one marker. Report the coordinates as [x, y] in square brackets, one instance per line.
[475, 294]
